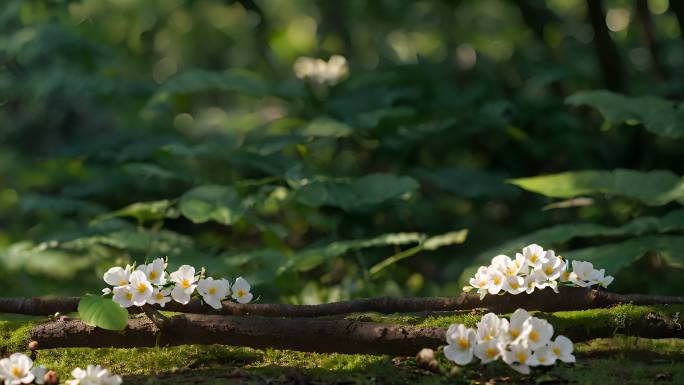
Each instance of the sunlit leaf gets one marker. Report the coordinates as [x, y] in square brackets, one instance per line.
[653, 188]
[658, 115]
[211, 202]
[102, 312]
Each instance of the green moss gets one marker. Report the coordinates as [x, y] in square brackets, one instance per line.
[14, 336]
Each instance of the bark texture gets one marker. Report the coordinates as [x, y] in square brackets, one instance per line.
[568, 298]
[310, 335]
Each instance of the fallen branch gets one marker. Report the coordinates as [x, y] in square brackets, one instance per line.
[311, 335]
[545, 300]
[343, 336]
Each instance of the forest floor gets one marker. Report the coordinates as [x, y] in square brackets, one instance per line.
[621, 360]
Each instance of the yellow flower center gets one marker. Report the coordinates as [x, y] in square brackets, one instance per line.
[16, 372]
[241, 293]
[533, 257]
[185, 283]
[491, 352]
[522, 357]
[556, 351]
[142, 288]
[497, 280]
[514, 285]
[548, 270]
[212, 291]
[463, 343]
[514, 333]
[122, 282]
[566, 275]
[534, 336]
[153, 275]
[159, 296]
[482, 283]
[542, 359]
[129, 296]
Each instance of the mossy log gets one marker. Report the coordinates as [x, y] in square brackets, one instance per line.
[568, 298]
[341, 336]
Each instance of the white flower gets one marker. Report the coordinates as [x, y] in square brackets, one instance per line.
[106, 291]
[39, 374]
[481, 281]
[518, 357]
[506, 265]
[461, 341]
[539, 280]
[213, 291]
[123, 295]
[16, 369]
[540, 332]
[184, 278]
[534, 255]
[155, 271]
[140, 287]
[514, 284]
[241, 290]
[583, 274]
[552, 268]
[118, 276]
[605, 281]
[491, 327]
[160, 297]
[488, 351]
[93, 375]
[517, 328]
[496, 281]
[562, 349]
[530, 284]
[320, 71]
[542, 356]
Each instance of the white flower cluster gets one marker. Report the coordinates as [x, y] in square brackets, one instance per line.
[321, 72]
[151, 284]
[18, 369]
[523, 342]
[93, 375]
[535, 268]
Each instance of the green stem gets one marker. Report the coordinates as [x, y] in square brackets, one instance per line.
[394, 259]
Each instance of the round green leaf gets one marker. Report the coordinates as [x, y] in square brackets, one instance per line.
[102, 312]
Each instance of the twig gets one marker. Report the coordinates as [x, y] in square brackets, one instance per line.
[155, 316]
[606, 51]
[568, 298]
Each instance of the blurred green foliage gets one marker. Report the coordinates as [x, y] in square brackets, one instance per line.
[131, 129]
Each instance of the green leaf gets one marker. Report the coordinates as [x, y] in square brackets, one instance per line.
[201, 80]
[653, 188]
[468, 183]
[212, 202]
[324, 127]
[350, 194]
[553, 236]
[659, 116]
[311, 258]
[145, 211]
[102, 312]
[615, 256]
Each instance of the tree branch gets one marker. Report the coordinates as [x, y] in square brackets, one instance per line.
[568, 298]
[312, 335]
[343, 336]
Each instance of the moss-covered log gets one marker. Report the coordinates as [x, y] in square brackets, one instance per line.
[343, 336]
[544, 300]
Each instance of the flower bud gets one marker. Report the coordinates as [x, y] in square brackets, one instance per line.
[51, 378]
[33, 345]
